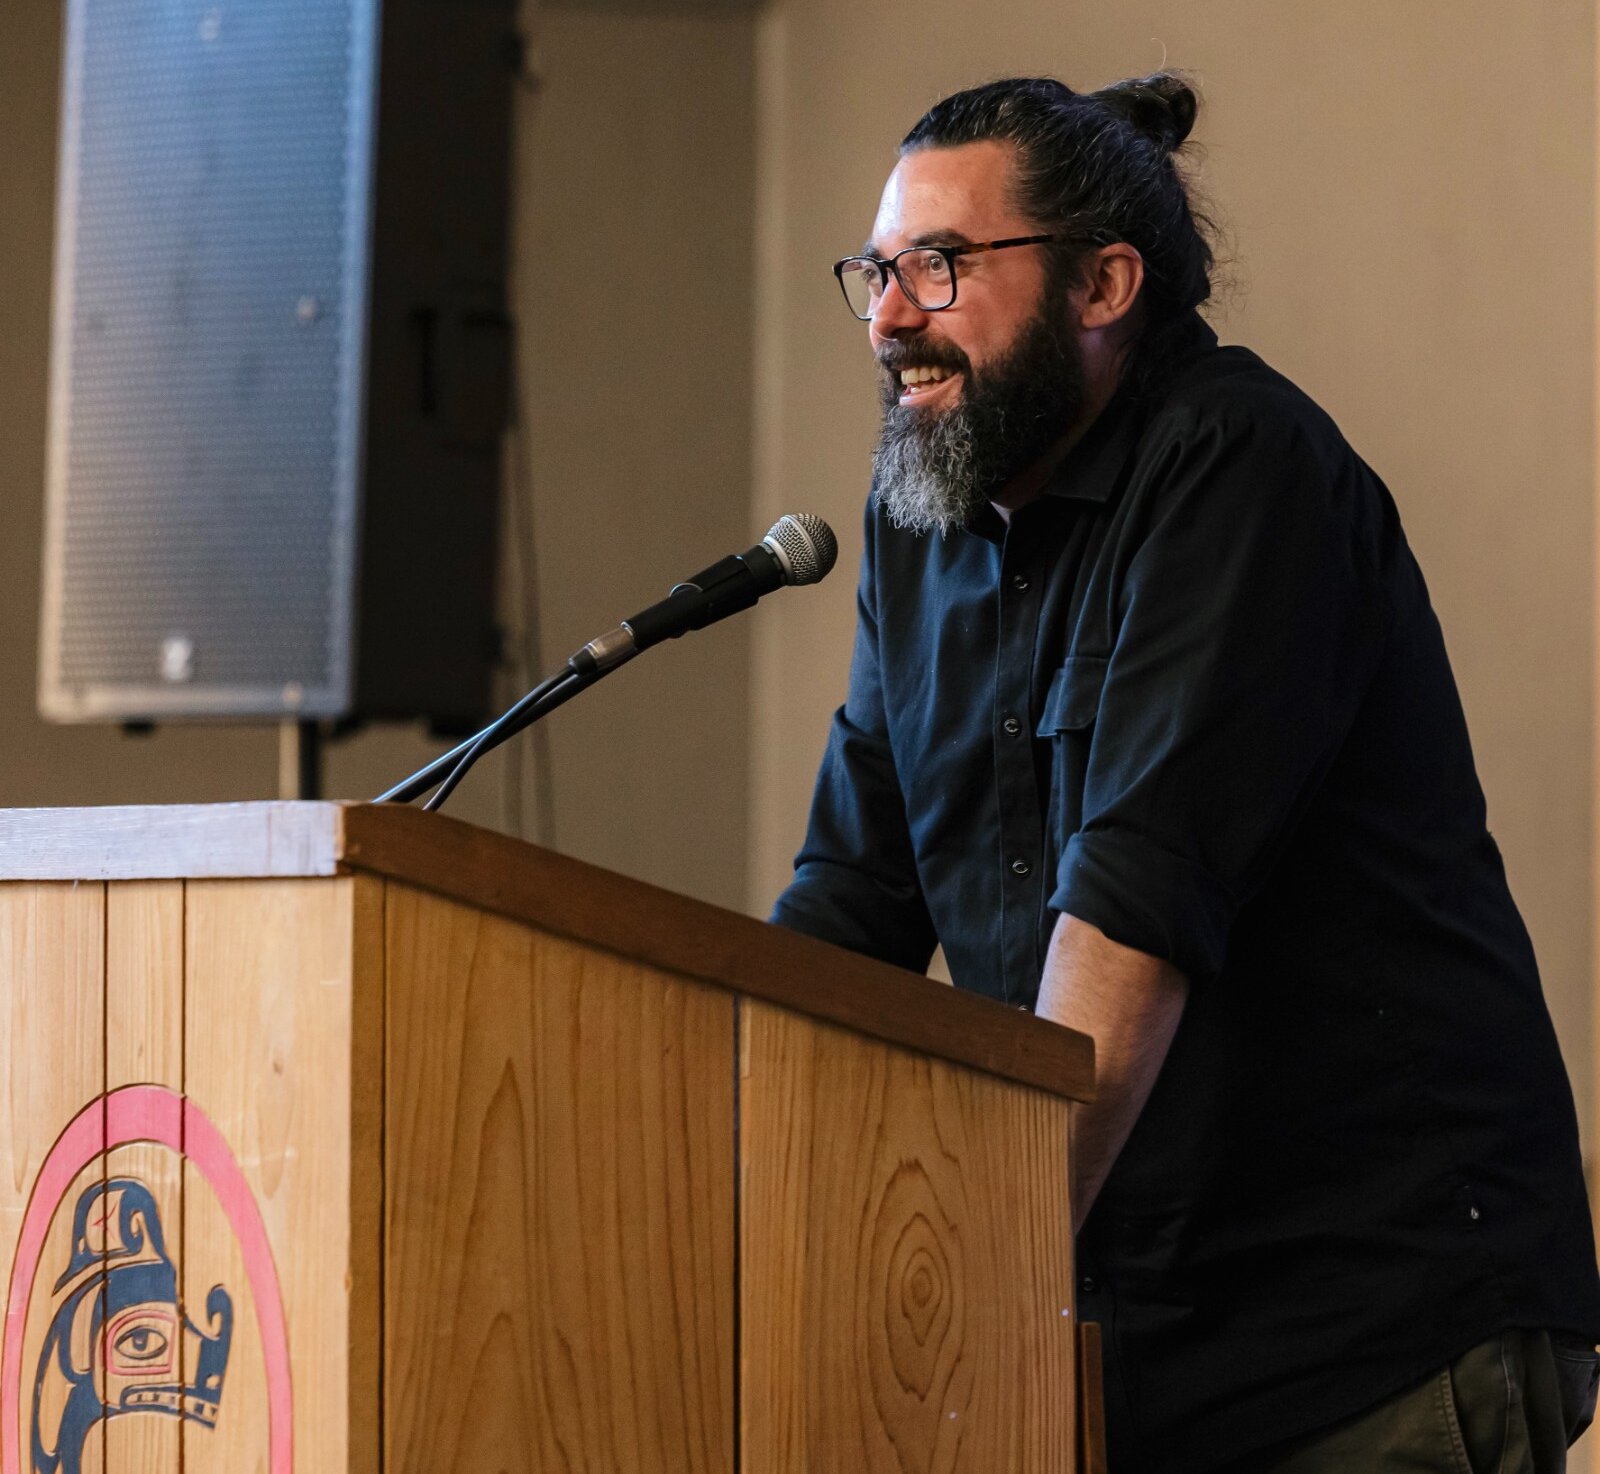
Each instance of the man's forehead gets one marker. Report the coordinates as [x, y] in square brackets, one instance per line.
[948, 195]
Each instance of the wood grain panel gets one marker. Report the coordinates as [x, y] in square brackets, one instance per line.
[144, 1046]
[906, 1261]
[559, 1279]
[1091, 1401]
[675, 933]
[364, 1302]
[276, 1015]
[52, 1002]
[217, 1291]
[144, 983]
[557, 895]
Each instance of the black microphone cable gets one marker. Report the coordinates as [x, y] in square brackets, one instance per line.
[539, 702]
[431, 773]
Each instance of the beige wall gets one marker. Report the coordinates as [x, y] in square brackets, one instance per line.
[634, 259]
[1410, 193]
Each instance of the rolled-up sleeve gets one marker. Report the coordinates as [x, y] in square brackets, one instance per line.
[1250, 621]
[855, 881]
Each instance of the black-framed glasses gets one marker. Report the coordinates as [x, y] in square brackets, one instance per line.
[927, 274]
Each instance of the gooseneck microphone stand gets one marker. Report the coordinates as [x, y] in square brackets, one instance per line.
[799, 549]
[451, 767]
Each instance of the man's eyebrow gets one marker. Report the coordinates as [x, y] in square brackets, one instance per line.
[927, 238]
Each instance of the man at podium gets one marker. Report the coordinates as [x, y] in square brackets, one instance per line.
[1150, 726]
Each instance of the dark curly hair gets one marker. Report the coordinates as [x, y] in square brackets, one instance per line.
[1097, 167]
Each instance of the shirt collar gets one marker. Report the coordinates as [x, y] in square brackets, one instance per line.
[1090, 471]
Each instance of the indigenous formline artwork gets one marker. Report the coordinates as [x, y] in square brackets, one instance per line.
[113, 1344]
[112, 1338]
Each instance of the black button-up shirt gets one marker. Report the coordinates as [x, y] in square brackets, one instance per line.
[1195, 694]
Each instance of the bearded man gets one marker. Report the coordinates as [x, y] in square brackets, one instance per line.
[1150, 724]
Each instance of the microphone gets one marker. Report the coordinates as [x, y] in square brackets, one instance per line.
[799, 549]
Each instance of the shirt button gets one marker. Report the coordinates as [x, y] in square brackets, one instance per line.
[1020, 867]
[1088, 1284]
[1019, 581]
[1012, 726]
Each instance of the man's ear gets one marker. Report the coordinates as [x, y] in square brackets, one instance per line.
[1111, 280]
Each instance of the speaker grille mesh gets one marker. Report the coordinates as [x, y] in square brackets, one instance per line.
[205, 421]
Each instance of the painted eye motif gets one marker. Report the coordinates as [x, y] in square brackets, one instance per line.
[141, 1344]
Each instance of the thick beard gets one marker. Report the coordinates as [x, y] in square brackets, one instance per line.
[934, 470]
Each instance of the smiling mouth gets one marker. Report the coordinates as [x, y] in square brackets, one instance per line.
[922, 380]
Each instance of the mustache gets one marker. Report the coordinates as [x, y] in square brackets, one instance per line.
[893, 357]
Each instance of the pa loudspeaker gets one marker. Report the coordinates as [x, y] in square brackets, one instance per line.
[279, 360]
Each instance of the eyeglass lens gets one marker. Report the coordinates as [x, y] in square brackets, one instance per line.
[925, 277]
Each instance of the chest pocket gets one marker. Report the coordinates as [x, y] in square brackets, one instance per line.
[1071, 707]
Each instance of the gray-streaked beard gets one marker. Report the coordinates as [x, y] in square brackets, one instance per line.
[932, 470]
[925, 469]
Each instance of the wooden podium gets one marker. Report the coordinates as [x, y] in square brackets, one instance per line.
[349, 1138]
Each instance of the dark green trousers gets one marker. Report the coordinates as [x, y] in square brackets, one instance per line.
[1509, 1406]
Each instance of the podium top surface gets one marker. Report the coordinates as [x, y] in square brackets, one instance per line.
[557, 894]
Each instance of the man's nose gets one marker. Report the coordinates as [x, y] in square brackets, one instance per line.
[897, 314]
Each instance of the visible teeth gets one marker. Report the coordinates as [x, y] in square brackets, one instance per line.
[924, 375]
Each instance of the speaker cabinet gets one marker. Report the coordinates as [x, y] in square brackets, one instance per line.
[279, 361]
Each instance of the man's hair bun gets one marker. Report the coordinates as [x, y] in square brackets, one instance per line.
[1161, 106]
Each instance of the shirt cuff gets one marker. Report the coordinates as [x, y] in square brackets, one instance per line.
[1147, 898]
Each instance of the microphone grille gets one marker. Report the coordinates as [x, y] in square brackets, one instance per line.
[804, 546]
